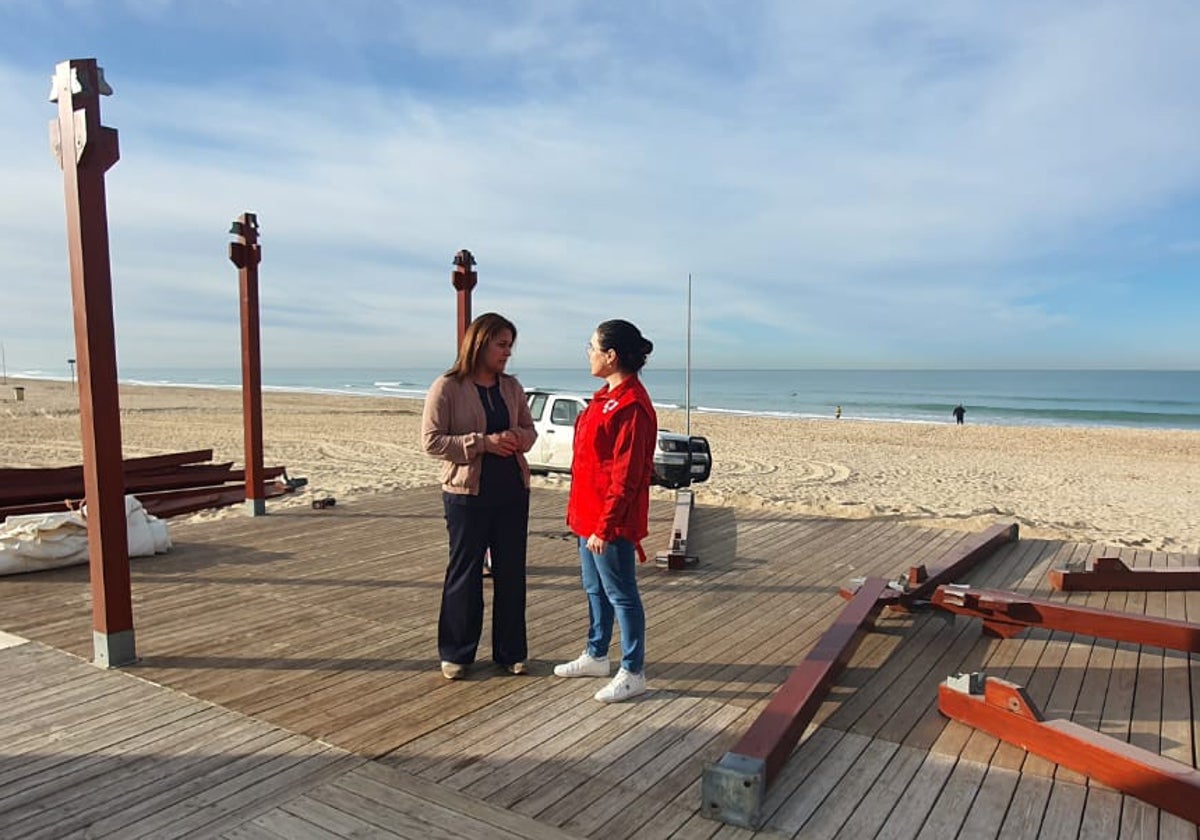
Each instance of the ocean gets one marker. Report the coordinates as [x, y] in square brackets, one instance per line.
[1115, 398]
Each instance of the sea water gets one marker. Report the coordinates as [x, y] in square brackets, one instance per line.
[1123, 398]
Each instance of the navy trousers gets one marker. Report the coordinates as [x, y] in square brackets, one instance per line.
[473, 528]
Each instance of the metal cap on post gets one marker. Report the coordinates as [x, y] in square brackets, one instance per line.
[246, 253]
[85, 150]
[463, 278]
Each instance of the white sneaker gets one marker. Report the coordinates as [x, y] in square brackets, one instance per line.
[584, 666]
[624, 685]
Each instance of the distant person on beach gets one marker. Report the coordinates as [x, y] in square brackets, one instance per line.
[958, 413]
[837, 413]
[609, 505]
[477, 421]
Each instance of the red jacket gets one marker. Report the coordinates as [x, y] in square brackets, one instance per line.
[612, 464]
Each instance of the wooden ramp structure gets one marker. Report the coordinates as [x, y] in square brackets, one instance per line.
[319, 625]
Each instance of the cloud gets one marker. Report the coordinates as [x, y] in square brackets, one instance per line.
[898, 179]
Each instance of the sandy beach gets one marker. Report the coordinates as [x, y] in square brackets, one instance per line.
[1123, 487]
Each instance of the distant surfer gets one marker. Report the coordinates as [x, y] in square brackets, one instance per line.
[837, 413]
[958, 413]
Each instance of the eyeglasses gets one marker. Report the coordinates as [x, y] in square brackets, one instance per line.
[592, 348]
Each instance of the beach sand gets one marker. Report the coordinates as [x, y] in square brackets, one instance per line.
[1122, 487]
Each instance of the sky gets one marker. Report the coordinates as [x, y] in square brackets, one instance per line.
[889, 184]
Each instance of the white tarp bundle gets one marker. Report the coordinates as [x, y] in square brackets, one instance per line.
[39, 541]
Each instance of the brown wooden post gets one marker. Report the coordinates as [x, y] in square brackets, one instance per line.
[463, 278]
[86, 150]
[246, 253]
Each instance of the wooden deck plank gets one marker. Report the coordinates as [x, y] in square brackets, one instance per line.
[1064, 812]
[796, 813]
[383, 784]
[954, 801]
[1101, 814]
[985, 814]
[672, 802]
[916, 803]
[324, 622]
[847, 793]
[884, 796]
[643, 780]
[1027, 810]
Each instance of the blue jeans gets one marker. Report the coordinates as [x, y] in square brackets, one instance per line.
[610, 581]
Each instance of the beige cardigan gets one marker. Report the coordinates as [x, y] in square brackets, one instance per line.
[453, 424]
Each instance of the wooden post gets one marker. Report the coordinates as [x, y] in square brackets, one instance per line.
[463, 278]
[86, 150]
[246, 253]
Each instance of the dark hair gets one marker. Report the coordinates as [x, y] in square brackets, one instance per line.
[627, 341]
[479, 332]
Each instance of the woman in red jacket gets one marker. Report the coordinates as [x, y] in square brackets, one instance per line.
[609, 504]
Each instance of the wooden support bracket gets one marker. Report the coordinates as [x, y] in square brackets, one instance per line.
[1004, 710]
[1110, 574]
[1005, 614]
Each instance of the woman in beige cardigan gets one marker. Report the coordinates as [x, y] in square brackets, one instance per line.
[476, 420]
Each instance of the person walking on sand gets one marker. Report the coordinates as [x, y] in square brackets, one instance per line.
[477, 421]
[958, 413]
[608, 506]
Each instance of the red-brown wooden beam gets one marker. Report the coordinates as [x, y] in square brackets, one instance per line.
[144, 464]
[86, 150]
[1110, 574]
[168, 503]
[1006, 614]
[246, 253]
[463, 278]
[272, 487]
[733, 789]
[1004, 710]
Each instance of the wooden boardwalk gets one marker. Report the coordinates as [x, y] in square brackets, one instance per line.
[316, 628]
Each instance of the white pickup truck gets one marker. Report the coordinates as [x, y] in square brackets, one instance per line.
[679, 460]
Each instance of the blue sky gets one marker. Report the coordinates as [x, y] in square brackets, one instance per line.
[885, 184]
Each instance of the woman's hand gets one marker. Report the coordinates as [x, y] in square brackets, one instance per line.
[503, 443]
[596, 545]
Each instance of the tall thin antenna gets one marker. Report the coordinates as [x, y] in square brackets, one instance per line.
[687, 376]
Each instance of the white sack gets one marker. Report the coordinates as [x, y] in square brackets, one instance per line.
[39, 541]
